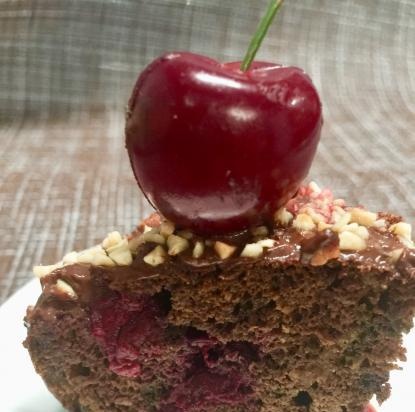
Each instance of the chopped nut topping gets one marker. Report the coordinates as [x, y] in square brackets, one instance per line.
[252, 250]
[362, 232]
[152, 237]
[259, 231]
[341, 222]
[95, 256]
[317, 217]
[156, 257]
[147, 229]
[283, 216]
[395, 255]
[65, 288]
[198, 249]
[115, 246]
[323, 226]
[102, 260]
[112, 239]
[363, 217]
[304, 222]
[224, 250]
[187, 234]
[402, 229]
[351, 241]
[176, 244]
[42, 271]
[167, 228]
[120, 253]
[266, 243]
[404, 232]
[70, 258]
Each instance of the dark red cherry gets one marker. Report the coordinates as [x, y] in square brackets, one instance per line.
[215, 149]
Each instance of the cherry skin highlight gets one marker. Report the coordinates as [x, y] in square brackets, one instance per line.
[218, 150]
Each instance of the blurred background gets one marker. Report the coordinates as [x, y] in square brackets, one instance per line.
[67, 68]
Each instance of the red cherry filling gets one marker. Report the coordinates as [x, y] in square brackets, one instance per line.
[122, 325]
[198, 369]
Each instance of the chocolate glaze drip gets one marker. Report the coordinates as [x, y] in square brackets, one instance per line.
[320, 240]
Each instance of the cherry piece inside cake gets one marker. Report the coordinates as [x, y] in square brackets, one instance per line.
[304, 314]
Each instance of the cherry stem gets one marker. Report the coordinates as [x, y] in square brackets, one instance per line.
[260, 33]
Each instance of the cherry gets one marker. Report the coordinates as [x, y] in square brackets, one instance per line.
[220, 147]
[215, 149]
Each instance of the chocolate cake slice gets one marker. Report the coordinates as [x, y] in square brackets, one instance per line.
[305, 314]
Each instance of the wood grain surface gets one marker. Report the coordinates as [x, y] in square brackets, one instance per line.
[66, 69]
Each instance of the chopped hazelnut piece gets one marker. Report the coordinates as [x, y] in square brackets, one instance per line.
[111, 240]
[351, 241]
[121, 253]
[187, 234]
[117, 248]
[87, 255]
[176, 245]
[323, 226]
[317, 217]
[95, 256]
[198, 249]
[156, 257]
[283, 216]
[363, 217]
[341, 221]
[395, 255]
[102, 260]
[152, 237]
[402, 229]
[252, 250]
[266, 243]
[65, 288]
[340, 211]
[304, 222]
[42, 271]
[360, 231]
[70, 258]
[404, 232]
[224, 250]
[167, 228]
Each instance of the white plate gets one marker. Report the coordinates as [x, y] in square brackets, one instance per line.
[22, 390]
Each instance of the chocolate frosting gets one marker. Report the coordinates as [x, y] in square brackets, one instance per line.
[291, 248]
